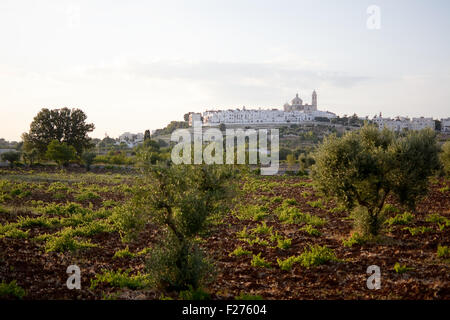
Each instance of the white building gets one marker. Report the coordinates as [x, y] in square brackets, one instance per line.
[297, 112]
[403, 123]
[445, 125]
[131, 139]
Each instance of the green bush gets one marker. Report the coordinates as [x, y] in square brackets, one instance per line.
[365, 166]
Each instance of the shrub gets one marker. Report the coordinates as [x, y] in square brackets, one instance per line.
[60, 152]
[363, 167]
[294, 215]
[180, 199]
[11, 290]
[445, 157]
[11, 156]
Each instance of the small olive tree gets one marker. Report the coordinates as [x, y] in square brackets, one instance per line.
[60, 152]
[181, 199]
[12, 157]
[88, 159]
[363, 167]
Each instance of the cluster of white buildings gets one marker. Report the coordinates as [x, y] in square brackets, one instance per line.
[130, 139]
[403, 123]
[296, 112]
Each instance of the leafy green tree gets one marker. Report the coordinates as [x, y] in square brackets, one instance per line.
[445, 157]
[30, 156]
[363, 167]
[147, 135]
[88, 159]
[64, 125]
[181, 199]
[60, 152]
[11, 156]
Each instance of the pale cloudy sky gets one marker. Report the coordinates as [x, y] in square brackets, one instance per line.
[136, 65]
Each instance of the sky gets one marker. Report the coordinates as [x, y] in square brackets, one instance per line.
[137, 65]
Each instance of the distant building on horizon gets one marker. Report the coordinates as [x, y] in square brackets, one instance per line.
[294, 113]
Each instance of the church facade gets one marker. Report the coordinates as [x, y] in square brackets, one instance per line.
[297, 104]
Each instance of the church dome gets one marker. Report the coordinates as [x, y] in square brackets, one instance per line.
[297, 100]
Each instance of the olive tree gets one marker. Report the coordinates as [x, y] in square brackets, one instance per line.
[12, 157]
[364, 167]
[181, 199]
[60, 152]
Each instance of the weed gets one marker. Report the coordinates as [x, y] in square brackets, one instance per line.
[355, 238]
[403, 219]
[124, 253]
[259, 262]
[284, 244]
[443, 252]
[239, 251]
[309, 229]
[262, 229]
[120, 279]
[11, 290]
[401, 268]
[288, 263]
[317, 255]
[416, 230]
[316, 204]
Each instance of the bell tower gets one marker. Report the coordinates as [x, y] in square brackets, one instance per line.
[314, 100]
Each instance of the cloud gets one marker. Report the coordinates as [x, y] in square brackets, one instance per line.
[246, 74]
